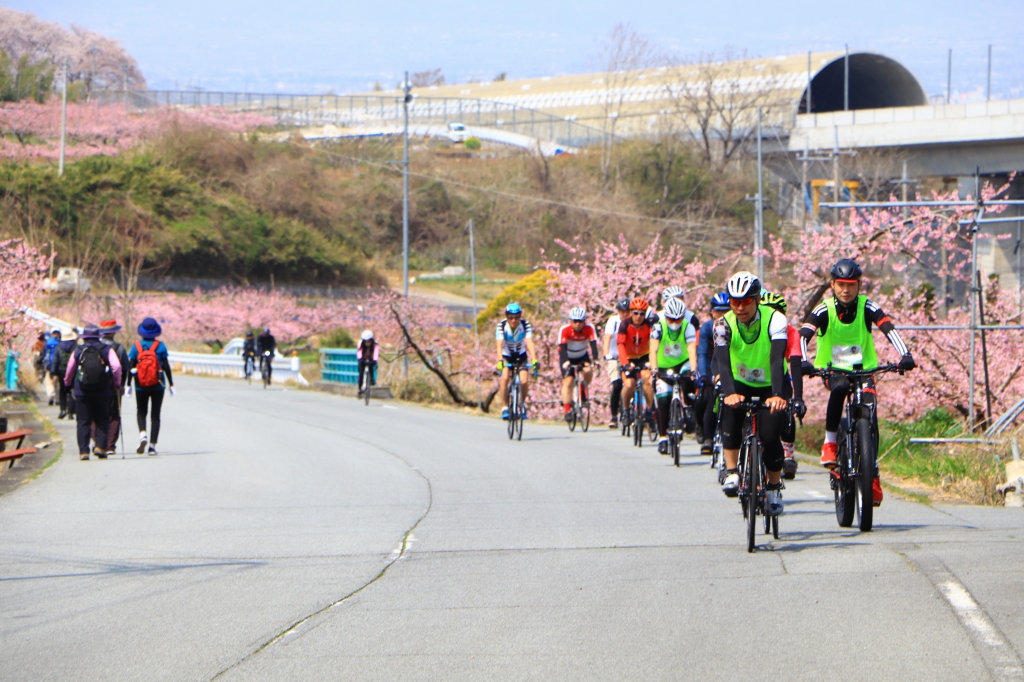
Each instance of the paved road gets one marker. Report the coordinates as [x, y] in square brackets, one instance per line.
[296, 535]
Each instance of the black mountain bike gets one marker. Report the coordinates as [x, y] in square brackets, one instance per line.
[753, 476]
[580, 412]
[857, 452]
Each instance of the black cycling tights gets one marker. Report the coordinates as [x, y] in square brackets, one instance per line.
[770, 427]
[838, 389]
[704, 408]
[615, 398]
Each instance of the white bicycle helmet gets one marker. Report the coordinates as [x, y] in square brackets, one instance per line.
[366, 335]
[578, 314]
[744, 285]
[671, 293]
[675, 309]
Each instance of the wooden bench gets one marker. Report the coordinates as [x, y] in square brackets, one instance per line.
[13, 455]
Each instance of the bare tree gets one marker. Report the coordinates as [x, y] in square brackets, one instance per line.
[716, 99]
[621, 58]
[424, 79]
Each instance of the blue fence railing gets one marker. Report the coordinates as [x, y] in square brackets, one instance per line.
[339, 365]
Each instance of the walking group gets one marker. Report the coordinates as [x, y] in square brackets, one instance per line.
[88, 375]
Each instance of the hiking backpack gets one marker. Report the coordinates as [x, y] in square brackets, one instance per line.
[147, 368]
[92, 369]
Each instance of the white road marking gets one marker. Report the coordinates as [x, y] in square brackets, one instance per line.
[993, 647]
[815, 493]
[389, 407]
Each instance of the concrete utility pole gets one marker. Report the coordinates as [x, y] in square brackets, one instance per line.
[472, 273]
[63, 119]
[808, 82]
[846, 80]
[949, 77]
[759, 219]
[407, 97]
[406, 87]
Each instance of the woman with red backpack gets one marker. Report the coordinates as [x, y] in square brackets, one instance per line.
[151, 372]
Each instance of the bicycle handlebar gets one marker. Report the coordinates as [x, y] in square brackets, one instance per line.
[857, 373]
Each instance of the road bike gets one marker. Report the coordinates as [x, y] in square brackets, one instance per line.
[636, 419]
[366, 381]
[516, 406]
[676, 411]
[265, 368]
[250, 366]
[753, 475]
[857, 452]
[580, 412]
[717, 452]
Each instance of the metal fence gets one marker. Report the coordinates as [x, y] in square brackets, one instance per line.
[357, 110]
[339, 365]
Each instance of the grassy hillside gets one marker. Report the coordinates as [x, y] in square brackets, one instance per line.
[201, 203]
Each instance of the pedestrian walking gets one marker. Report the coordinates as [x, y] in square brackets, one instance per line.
[151, 369]
[108, 328]
[59, 367]
[53, 380]
[95, 374]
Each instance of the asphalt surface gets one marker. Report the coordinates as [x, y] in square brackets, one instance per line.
[296, 535]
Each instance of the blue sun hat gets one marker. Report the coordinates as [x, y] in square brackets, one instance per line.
[149, 329]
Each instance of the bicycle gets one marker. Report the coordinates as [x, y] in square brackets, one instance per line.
[857, 453]
[516, 407]
[717, 451]
[753, 475]
[265, 368]
[676, 412]
[366, 381]
[580, 411]
[635, 423]
[250, 367]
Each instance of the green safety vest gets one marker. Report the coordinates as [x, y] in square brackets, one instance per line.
[846, 345]
[672, 352]
[751, 360]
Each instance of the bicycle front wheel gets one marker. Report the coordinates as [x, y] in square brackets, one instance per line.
[675, 429]
[842, 484]
[865, 473]
[513, 410]
[585, 416]
[638, 427]
[753, 469]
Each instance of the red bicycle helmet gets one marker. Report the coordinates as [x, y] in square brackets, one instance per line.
[638, 304]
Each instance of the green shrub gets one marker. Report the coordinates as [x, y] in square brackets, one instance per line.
[517, 269]
[337, 338]
[528, 292]
[473, 143]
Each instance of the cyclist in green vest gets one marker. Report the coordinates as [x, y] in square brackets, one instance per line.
[750, 347]
[673, 346]
[842, 324]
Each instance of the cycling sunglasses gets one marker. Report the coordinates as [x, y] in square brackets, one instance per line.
[638, 312]
[742, 301]
[673, 319]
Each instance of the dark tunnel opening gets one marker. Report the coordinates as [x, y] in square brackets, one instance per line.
[876, 82]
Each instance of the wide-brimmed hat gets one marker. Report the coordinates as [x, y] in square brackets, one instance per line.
[68, 334]
[109, 327]
[91, 331]
[150, 328]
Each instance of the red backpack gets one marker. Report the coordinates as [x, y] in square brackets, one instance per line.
[147, 368]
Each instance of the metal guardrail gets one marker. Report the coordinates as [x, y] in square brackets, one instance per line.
[339, 365]
[356, 110]
[284, 369]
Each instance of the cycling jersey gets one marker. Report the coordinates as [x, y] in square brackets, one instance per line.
[611, 329]
[750, 356]
[794, 348]
[513, 341]
[635, 342]
[574, 346]
[846, 314]
[368, 350]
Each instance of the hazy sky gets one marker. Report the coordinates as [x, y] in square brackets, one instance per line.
[316, 46]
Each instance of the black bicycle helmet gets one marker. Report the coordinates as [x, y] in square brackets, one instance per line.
[847, 269]
[622, 304]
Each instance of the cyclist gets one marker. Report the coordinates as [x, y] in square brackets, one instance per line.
[750, 346]
[707, 370]
[669, 336]
[842, 324]
[249, 352]
[368, 353]
[514, 337]
[794, 383]
[689, 320]
[634, 340]
[265, 343]
[611, 357]
[577, 343]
